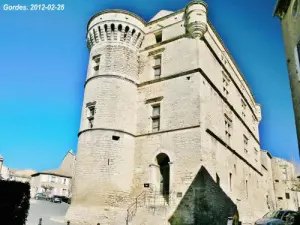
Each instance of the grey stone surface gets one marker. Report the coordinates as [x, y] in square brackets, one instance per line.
[51, 213]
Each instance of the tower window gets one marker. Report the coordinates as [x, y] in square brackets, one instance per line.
[91, 110]
[155, 118]
[158, 37]
[96, 60]
[157, 66]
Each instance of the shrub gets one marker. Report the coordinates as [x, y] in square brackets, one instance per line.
[14, 202]
[297, 219]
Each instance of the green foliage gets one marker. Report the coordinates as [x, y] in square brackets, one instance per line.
[14, 202]
[297, 219]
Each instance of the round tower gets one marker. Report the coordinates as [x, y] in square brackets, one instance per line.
[105, 157]
[196, 18]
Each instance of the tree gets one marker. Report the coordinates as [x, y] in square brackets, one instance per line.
[47, 188]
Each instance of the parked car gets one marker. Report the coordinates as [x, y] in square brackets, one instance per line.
[41, 196]
[278, 217]
[56, 199]
[66, 199]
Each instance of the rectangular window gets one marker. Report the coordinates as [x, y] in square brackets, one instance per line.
[245, 144]
[243, 104]
[91, 110]
[96, 60]
[155, 118]
[157, 66]
[157, 72]
[226, 81]
[158, 37]
[228, 129]
[53, 179]
[157, 60]
[287, 195]
[279, 198]
[297, 59]
[255, 151]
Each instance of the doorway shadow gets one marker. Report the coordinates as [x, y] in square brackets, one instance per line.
[205, 203]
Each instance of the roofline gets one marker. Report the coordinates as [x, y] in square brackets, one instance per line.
[115, 11]
[55, 174]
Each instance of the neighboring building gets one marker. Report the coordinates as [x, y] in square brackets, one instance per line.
[4, 171]
[21, 175]
[57, 181]
[284, 176]
[288, 11]
[169, 122]
[268, 182]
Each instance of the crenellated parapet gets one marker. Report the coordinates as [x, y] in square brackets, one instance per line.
[115, 27]
[196, 18]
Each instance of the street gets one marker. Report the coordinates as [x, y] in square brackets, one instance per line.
[51, 213]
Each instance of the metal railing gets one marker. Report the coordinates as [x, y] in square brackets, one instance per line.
[152, 198]
[140, 201]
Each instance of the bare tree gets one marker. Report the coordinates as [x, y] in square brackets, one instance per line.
[47, 188]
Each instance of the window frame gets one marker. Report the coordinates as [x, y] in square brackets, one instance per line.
[155, 117]
[96, 61]
[228, 128]
[157, 67]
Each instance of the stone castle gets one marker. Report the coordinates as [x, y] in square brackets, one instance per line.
[169, 127]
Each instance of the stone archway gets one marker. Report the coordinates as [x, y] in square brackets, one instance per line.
[163, 162]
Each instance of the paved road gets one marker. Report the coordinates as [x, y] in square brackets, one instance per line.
[51, 213]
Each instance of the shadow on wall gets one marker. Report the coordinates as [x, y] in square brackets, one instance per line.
[205, 203]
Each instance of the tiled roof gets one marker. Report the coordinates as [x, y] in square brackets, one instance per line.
[57, 172]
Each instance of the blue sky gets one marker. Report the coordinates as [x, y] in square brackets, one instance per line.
[43, 61]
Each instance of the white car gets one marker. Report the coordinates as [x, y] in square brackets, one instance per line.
[275, 217]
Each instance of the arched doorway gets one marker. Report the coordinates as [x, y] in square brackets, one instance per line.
[163, 162]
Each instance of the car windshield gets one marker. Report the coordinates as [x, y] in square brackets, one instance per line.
[273, 214]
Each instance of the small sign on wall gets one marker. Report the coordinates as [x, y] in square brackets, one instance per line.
[179, 194]
[146, 185]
